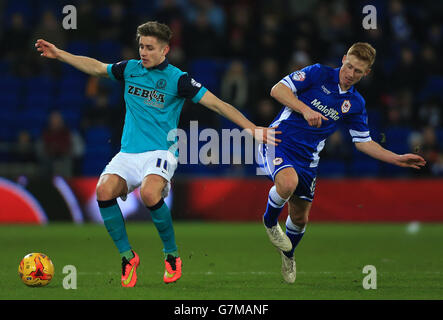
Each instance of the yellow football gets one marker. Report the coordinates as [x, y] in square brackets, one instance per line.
[36, 270]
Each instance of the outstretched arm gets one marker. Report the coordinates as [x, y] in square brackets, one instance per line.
[84, 64]
[373, 149]
[262, 134]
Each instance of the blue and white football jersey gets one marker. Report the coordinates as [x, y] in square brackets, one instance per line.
[154, 99]
[318, 87]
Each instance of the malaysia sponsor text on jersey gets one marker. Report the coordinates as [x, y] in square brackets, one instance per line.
[328, 112]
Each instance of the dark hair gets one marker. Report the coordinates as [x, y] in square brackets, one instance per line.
[154, 29]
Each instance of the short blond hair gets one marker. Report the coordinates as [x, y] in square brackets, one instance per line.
[363, 51]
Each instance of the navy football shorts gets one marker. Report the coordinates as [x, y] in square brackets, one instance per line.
[274, 159]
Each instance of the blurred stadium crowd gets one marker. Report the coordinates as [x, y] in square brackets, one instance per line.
[57, 120]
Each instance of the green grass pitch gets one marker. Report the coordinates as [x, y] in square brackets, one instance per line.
[232, 261]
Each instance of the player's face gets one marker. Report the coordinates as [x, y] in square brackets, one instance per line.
[152, 52]
[352, 70]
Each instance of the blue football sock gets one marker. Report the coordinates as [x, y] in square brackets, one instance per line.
[115, 224]
[274, 207]
[161, 217]
[294, 233]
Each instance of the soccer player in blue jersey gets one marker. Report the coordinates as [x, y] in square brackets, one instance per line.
[154, 95]
[315, 100]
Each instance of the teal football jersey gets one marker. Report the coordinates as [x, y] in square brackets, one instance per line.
[154, 99]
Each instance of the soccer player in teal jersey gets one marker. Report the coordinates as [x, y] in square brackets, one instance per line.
[154, 95]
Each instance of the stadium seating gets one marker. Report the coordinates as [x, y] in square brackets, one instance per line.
[432, 88]
[374, 119]
[10, 120]
[71, 94]
[40, 84]
[80, 48]
[365, 168]
[97, 135]
[23, 7]
[109, 51]
[73, 83]
[440, 137]
[4, 68]
[331, 168]
[98, 150]
[33, 121]
[95, 159]
[39, 102]
[71, 101]
[72, 118]
[397, 139]
[207, 71]
[147, 7]
[10, 101]
[10, 83]
[25, 101]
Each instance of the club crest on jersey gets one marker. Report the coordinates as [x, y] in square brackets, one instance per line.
[277, 161]
[161, 84]
[345, 106]
[299, 76]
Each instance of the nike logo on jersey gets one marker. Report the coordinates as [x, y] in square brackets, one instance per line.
[328, 112]
[135, 75]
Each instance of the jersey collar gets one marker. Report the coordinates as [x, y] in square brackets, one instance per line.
[160, 66]
[337, 80]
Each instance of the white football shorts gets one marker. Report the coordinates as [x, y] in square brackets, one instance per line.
[134, 167]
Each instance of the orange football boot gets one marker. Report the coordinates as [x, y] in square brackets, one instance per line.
[129, 268]
[173, 266]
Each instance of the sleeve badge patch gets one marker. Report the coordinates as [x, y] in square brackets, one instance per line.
[195, 83]
[299, 76]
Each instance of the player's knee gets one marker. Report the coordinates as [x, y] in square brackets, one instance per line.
[150, 197]
[110, 187]
[103, 192]
[286, 187]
